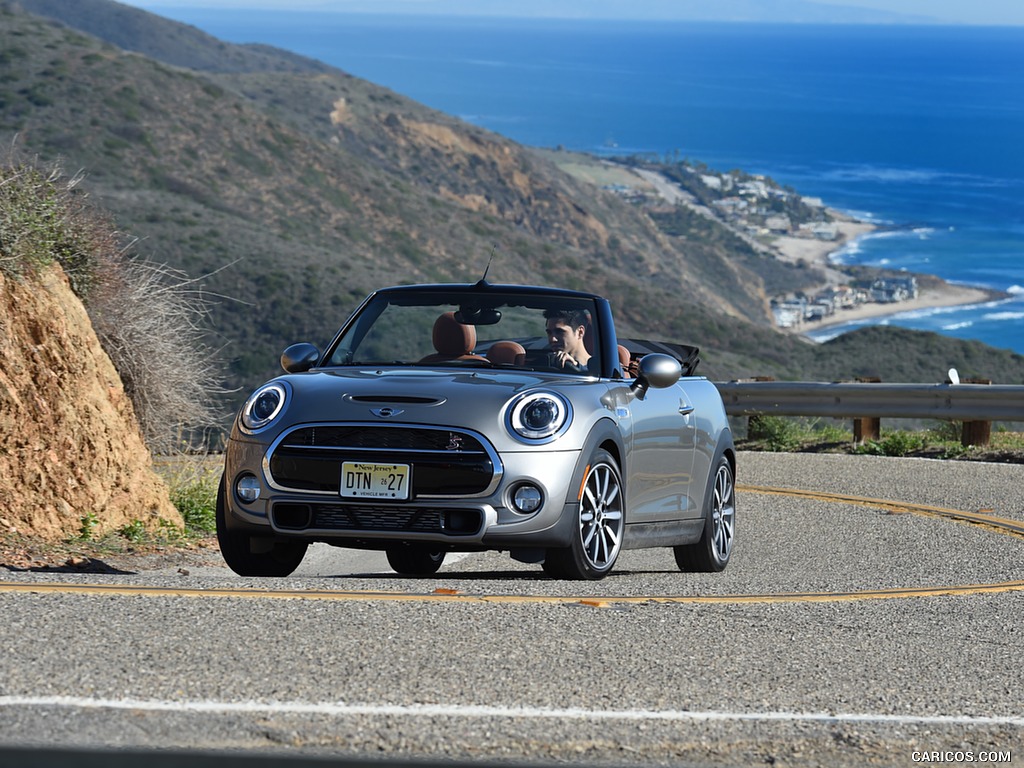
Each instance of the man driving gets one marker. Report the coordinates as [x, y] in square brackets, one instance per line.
[565, 330]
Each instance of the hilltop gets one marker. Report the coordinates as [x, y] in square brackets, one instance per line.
[298, 189]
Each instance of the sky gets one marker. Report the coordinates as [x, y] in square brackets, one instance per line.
[987, 12]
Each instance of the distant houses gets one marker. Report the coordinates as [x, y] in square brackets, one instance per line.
[794, 311]
[761, 210]
[891, 289]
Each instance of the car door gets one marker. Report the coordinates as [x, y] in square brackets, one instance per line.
[660, 465]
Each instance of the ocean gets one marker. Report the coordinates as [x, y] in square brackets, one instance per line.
[919, 129]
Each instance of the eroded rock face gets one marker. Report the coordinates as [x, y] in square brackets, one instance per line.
[70, 446]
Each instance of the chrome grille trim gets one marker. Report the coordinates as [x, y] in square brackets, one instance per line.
[485, 444]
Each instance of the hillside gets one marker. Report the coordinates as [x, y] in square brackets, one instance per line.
[73, 457]
[299, 188]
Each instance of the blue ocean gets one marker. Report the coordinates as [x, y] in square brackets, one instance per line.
[917, 128]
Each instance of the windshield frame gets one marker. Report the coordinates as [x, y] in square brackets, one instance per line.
[483, 295]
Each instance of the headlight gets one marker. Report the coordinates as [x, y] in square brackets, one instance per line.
[539, 416]
[263, 406]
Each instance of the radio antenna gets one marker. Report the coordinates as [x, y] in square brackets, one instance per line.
[488, 267]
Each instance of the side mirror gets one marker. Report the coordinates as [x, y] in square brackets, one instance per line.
[658, 371]
[299, 358]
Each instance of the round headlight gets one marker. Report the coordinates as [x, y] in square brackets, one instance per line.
[539, 416]
[263, 406]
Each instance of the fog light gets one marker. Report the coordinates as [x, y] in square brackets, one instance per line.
[527, 499]
[247, 488]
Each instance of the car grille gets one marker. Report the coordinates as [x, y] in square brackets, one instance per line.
[376, 517]
[384, 438]
[444, 462]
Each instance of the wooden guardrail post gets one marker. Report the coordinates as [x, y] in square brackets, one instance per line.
[976, 432]
[754, 430]
[867, 428]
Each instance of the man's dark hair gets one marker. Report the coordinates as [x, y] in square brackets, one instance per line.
[574, 318]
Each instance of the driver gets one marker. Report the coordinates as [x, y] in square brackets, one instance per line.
[566, 329]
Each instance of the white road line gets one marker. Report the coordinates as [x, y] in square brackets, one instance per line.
[475, 711]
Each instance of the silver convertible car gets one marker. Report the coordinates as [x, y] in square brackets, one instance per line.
[454, 418]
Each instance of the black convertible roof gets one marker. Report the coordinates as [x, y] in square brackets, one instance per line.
[483, 287]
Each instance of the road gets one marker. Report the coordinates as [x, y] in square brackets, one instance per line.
[845, 631]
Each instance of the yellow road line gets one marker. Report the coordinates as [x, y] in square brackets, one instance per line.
[983, 519]
[447, 596]
[990, 522]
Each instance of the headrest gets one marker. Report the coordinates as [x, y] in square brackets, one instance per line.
[505, 352]
[452, 337]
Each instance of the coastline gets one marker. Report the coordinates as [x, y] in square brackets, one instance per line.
[935, 294]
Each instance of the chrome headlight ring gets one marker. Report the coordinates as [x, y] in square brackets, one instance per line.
[263, 406]
[538, 417]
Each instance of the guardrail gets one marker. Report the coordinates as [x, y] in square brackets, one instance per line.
[977, 405]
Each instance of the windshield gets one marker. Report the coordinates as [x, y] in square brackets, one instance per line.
[465, 329]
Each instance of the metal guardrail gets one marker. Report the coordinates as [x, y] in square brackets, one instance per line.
[951, 402]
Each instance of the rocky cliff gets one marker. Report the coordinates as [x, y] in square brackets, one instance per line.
[70, 447]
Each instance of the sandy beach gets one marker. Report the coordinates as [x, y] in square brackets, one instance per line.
[813, 251]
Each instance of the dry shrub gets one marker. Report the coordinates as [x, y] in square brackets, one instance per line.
[148, 317]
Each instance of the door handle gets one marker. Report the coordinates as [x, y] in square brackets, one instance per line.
[686, 410]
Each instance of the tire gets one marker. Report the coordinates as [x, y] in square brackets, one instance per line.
[600, 525]
[711, 554]
[249, 555]
[415, 559]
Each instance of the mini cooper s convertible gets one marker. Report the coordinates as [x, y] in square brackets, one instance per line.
[454, 418]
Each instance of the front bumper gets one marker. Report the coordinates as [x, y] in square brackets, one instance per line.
[482, 521]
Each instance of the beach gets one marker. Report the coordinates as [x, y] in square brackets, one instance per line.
[817, 252]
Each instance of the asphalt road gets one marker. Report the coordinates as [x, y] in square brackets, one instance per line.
[844, 632]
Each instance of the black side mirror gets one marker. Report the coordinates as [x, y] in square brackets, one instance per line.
[658, 371]
[299, 358]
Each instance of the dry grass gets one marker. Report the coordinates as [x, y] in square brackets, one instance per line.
[148, 317]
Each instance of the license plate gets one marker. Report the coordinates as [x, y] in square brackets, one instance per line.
[360, 480]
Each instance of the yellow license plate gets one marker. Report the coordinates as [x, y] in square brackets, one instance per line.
[360, 480]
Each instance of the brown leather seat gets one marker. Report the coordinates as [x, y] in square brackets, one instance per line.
[452, 340]
[629, 366]
[506, 353]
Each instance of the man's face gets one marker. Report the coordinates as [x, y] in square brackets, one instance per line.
[562, 337]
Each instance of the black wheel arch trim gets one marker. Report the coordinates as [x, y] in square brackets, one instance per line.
[727, 450]
[604, 434]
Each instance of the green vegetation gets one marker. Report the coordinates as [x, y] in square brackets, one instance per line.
[192, 481]
[192, 484]
[87, 528]
[779, 433]
[938, 440]
[42, 221]
[135, 531]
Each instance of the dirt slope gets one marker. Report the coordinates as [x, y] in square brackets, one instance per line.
[70, 446]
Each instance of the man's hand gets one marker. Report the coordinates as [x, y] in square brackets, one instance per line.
[563, 358]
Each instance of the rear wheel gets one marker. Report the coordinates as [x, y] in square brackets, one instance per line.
[249, 555]
[415, 559]
[712, 552]
[600, 524]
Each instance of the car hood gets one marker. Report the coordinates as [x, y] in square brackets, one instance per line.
[471, 399]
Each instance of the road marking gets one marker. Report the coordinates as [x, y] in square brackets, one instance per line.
[459, 597]
[987, 521]
[342, 709]
[990, 522]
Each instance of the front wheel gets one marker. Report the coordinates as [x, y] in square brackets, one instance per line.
[249, 555]
[415, 559]
[600, 524]
[712, 552]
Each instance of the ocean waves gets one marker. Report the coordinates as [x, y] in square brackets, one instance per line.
[997, 323]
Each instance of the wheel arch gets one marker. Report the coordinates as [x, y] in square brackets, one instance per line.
[604, 436]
